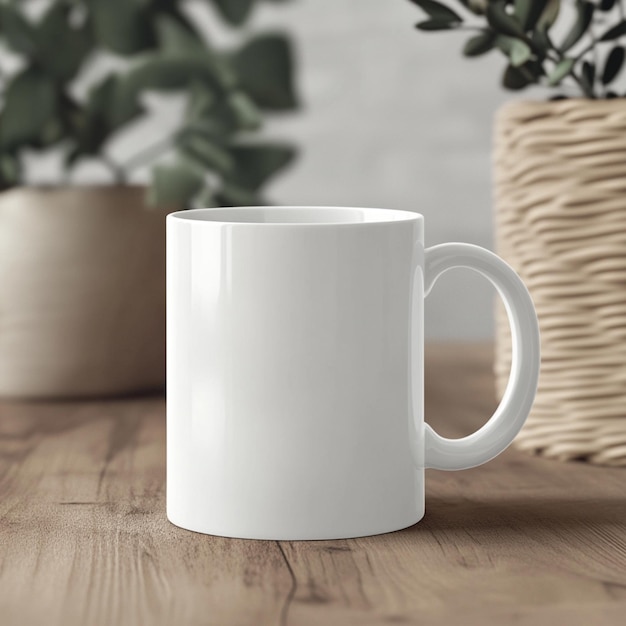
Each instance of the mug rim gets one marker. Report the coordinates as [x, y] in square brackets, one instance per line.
[374, 215]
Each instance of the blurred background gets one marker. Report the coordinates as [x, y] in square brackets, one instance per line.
[392, 117]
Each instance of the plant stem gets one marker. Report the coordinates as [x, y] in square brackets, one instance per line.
[149, 153]
[594, 41]
[594, 44]
[524, 70]
[586, 91]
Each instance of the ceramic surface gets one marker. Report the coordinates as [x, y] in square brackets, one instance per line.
[295, 370]
[82, 292]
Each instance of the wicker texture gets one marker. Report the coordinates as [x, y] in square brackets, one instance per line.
[560, 197]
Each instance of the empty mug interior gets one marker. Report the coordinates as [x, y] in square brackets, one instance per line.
[296, 215]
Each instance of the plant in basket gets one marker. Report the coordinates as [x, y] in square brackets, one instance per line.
[559, 172]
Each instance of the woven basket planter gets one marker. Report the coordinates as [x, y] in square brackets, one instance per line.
[560, 207]
[560, 210]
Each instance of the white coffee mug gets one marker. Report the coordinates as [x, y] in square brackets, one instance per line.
[295, 369]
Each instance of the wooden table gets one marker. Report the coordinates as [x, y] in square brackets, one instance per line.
[84, 539]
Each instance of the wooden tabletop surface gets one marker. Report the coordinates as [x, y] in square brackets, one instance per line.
[85, 541]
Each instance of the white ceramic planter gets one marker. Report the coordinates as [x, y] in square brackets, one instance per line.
[82, 292]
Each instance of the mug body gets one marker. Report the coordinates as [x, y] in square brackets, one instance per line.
[294, 371]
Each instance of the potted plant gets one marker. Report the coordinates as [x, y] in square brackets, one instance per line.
[559, 171]
[82, 306]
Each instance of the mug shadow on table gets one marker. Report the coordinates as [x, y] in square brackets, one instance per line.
[521, 514]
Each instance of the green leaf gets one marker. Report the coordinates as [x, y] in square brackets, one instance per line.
[528, 12]
[613, 65]
[501, 21]
[477, 7]
[88, 137]
[436, 25]
[516, 78]
[200, 101]
[438, 11]
[205, 199]
[173, 12]
[606, 5]
[51, 132]
[72, 156]
[161, 72]
[522, 10]
[231, 195]
[517, 50]
[107, 108]
[584, 15]
[235, 12]
[10, 170]
[221, 116]
[122, 26]
[588, 75]
[479, 44]
[265, 68]
[542, 43]
[29, 103]
[174, 185]
[616, 31]
[175, 39]
[549, 15]
[560, 71]
[16, 30]
[113, 102]
[204, 150]
[520, 53]
[245, 113]
[61, 60]
[256, 163]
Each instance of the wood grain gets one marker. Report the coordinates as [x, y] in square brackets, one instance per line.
[84, 538]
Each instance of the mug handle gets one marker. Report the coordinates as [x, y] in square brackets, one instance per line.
[506, 422]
